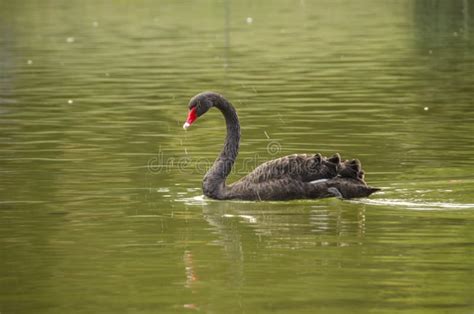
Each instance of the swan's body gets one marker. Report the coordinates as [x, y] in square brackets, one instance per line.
[289, 177]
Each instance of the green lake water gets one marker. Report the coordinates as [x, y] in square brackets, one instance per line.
[101, 208]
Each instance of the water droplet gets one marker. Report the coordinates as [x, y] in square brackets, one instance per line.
[249, 20]
[430, 52]
[455, 34]
[426, 109]
[70, 101]
[70, 39]
[30, 62]
[95, 23]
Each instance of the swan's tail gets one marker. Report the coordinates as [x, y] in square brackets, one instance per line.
[350, 188]
[333, 176]
[349, 182]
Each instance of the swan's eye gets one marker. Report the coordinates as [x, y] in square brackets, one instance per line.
[192, 116]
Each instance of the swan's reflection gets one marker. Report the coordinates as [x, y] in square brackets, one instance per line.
[286, 225]
[271, 237]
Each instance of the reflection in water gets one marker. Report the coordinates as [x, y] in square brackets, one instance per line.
[245, 230]
[278, 225]
[191, 277]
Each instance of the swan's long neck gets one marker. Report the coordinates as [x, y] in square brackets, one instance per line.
[213, 184]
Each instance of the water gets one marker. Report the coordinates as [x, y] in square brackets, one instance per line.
[100, 203]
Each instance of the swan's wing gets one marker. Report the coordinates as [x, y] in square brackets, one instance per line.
[301, 167]
[302, 176]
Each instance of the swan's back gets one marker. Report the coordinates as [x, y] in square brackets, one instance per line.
[299, 167]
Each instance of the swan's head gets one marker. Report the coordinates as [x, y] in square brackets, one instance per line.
[199, 105]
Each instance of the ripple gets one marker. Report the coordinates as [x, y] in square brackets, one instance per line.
[195, 200]
[415, 205]
[248, 218]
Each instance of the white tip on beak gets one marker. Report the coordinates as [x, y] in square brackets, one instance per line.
[186, 125]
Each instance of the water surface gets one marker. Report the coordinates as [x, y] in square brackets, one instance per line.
[100, 201]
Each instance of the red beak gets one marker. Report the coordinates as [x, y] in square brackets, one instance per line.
[192, 116]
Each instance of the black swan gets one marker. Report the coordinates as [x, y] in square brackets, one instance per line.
[290, 177]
